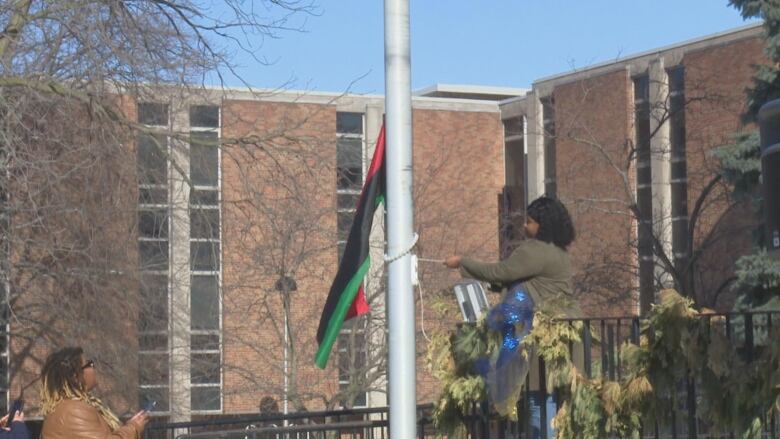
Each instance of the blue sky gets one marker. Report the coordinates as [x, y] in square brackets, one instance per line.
[510, 43]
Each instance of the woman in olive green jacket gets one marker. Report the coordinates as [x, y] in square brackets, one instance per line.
[536, 276]
[541, 262]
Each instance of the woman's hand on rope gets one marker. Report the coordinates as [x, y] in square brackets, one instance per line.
[452, 262]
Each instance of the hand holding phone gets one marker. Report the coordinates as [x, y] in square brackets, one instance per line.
[140, 419]
[149, 406]
[17, 406]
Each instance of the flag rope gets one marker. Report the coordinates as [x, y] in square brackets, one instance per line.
[400, 255]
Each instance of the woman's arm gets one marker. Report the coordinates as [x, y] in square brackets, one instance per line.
[521, 264]
[85, 423]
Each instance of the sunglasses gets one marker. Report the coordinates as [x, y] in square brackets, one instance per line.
[88, 365]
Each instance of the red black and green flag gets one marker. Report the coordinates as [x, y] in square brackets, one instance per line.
[346, 298]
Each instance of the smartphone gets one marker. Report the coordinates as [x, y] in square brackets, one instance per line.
[149, 406]
[17, 406]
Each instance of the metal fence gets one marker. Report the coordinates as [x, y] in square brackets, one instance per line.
[366, 423]
[600, 355]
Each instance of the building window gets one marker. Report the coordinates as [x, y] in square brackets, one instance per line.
[353, 361]
[153, 251]
[5, 347]
[644, 190]
[205, 266]
[548, 123]
[514, 152]
[5, 312]
[513, 197]
[154, 225]
[349, 163]
[153, 114]
[349, 172]
[349, 151]
[679, 171]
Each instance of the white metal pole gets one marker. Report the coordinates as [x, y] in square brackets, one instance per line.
[286, 356]
[400, 297]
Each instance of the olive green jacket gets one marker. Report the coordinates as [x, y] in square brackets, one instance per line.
[544, 269]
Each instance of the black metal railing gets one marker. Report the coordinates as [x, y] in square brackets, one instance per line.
[602, 339]
[366, 423]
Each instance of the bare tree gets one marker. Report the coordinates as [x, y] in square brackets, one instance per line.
[282, 210]
[621, 227]
[78, 159]
[73, 72]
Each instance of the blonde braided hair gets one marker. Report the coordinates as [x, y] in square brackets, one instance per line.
[61, 381]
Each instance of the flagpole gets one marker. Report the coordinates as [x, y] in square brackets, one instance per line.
[400, 297]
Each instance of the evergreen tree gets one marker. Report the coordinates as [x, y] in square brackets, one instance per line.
[758, 276]
[766, 82]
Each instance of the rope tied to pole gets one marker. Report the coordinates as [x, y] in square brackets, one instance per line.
[406, 251]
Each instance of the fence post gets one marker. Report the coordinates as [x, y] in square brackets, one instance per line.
[617, 348]
[635, 331]
[485, 419]
[604, 363]
[691, 387]
[542, 400]
[527, 407]
[586, 348]
[611, 350]
[748, 336]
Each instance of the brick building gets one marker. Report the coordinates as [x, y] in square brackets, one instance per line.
[641, 131]
[238, 244]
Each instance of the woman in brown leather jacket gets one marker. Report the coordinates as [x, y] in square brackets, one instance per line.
[70, 409]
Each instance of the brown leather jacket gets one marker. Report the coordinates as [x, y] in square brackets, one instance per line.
[74, 419]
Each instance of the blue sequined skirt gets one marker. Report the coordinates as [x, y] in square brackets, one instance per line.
[504, 371]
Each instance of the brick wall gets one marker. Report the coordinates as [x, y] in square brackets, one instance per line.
[279, 215]
[595, 131]
[594, 122]
[73, 249]
[459, 171]
[715, 81]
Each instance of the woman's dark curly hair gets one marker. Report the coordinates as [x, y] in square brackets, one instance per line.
[555, 224]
